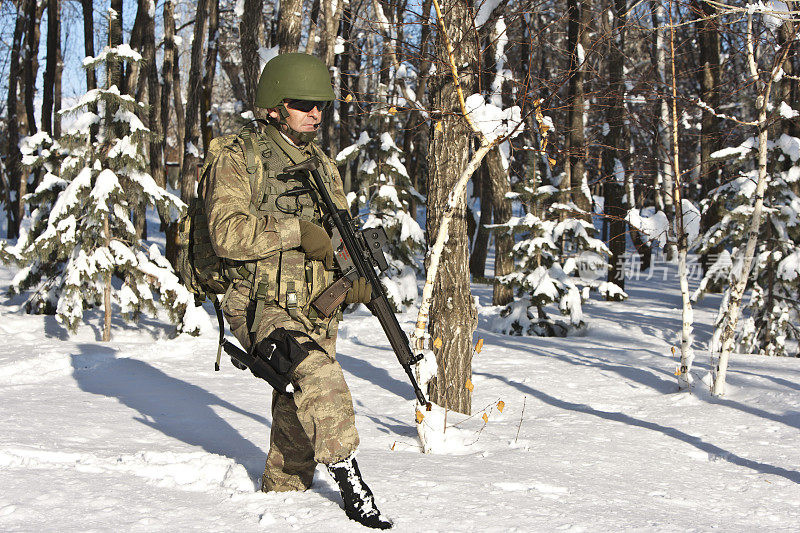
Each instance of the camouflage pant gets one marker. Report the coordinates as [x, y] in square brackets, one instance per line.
[314, 425]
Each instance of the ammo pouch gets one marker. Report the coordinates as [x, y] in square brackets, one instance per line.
[276, 357]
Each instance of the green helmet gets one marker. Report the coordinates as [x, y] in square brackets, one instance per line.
[297, 76]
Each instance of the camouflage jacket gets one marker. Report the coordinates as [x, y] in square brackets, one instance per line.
[253, 211]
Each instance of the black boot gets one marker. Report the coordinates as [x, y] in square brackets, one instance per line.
[359, 503]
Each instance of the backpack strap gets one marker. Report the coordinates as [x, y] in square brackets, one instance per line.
[249, 152]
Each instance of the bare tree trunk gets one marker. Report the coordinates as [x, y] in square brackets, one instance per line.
[348, 73]
[31, 67]
[193, 93]
[31, 62]
[140, 74]
[613, 157]
[167, 75]
[501, 209]
[88, 49]
[290, 22]
[330, 24]
[480, 240]
[209, 72]
[249, 32]
[57, 84]
[114, 68]
[666, 172]
[453, 315]
[13, 170]
[132, 82]
[49, 80]
[708, 37]
[575, 186]
[417, 133]
[107, 288]
[234, 73]
[177, 93]
[311, 38]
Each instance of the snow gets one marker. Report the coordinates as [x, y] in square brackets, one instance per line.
[654, 224]
[387, 143]
[106, 184]
[691, 220]
[485, 8]
[493, 121]
[786, 111]
[140, 434]
[775, 13]
[790, 146]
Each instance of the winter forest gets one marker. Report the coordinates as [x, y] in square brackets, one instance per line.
[542, 155]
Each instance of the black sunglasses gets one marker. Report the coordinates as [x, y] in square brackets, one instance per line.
[307, 105]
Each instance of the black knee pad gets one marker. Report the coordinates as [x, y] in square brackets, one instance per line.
[278, 355]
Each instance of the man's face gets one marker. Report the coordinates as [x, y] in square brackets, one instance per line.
[304, 116]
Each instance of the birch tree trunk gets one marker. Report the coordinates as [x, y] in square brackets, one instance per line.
[687, 316]
[191, 151]
[726, 331]
[453, 315]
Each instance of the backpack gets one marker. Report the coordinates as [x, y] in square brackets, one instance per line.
[198, 267]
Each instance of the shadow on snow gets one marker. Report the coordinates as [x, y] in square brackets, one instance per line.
[172, 406]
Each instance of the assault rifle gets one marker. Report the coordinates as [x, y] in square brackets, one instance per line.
[357, 254]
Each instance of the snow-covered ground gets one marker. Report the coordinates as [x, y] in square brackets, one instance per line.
[141, 434]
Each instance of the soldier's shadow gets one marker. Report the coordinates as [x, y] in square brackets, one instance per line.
[174, 407]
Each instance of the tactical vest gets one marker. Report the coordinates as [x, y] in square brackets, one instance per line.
[285, 278]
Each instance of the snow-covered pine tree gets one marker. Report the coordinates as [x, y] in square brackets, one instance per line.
[43, 155]
[773, 310]
[86, 239]
[556, 262]
[385, 191]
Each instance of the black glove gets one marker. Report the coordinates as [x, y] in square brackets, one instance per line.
[316, 243]
[359, 293]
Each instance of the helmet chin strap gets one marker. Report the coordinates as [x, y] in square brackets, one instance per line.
[298, 137]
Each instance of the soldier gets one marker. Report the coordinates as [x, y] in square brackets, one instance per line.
[269, 230]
